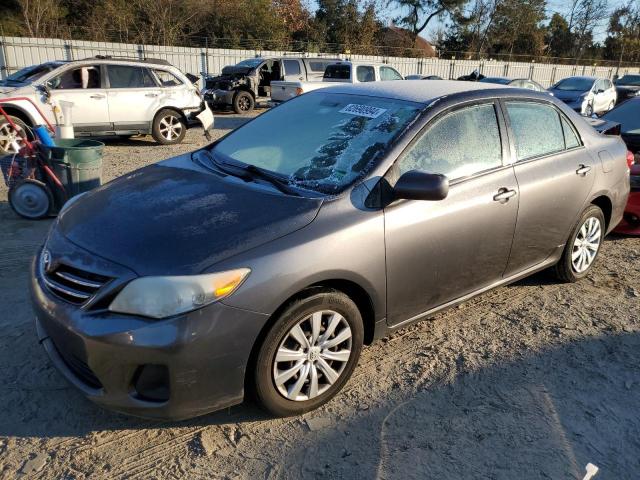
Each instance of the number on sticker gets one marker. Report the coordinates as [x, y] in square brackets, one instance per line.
[363, 110]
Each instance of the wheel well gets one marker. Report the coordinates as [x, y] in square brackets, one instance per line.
[175, 109]
[354, 291]
[17, 112]
[606, 206]
[245, 89]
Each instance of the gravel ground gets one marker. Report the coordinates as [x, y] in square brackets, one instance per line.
[530, 381]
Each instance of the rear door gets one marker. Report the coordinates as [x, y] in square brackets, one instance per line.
[554, 173]
[293, 70]
[134, 96]
[440, 251]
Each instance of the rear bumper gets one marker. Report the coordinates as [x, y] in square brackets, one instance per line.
[630, 223]
[196, 361]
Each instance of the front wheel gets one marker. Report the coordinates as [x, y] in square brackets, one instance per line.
[243, 102]
[12, 139]
[583, 246]
[169, 127]
[309, 353]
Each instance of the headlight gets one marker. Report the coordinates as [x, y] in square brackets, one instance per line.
[161, 297]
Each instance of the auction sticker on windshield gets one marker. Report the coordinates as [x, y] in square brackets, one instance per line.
[363, 110]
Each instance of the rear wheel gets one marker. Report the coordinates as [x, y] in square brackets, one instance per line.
[589, 110]
[11, 139]
[30, 199]
[243, 102]
[309, 353]
[583, 246]
[169, 127]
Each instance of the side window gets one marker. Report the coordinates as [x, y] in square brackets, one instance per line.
[365, 73]
[570, 137]
[536, 129]
[167, 79]
[87, 76]
[318, 66]
[460, 144]
[388, 73]
[122, 76]
[291, 67]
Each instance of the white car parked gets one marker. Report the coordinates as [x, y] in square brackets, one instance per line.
[110, 97]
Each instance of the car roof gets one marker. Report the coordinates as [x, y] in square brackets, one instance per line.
[360, 62]
[585, 77]
[415, 90]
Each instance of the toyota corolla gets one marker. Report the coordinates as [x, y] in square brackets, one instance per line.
[264, 262]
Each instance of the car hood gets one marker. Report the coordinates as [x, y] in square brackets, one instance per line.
[174, 219]
[566, 96]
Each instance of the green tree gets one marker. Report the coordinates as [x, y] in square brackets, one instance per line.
[559, 37]
[417, 14]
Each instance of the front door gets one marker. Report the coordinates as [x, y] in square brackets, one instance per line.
[134, 97]
[84, 87]
[440, 251]
[555, 174]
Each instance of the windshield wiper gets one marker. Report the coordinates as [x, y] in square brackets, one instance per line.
[248, 172]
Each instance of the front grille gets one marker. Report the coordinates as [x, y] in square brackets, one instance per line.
[79, 368]
[70, 283]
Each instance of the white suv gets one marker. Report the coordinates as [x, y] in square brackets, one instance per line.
[110, 97]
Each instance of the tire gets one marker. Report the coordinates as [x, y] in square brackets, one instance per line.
[333, 309]
[30, 199]
[10, 140]
[566, 269]
[243, 102]
[169, 127]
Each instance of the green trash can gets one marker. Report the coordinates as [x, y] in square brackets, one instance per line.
[77, 163]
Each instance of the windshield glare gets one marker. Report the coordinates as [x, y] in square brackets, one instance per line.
[252, 62]
[574, 84]
[320, 141]
[629, 80]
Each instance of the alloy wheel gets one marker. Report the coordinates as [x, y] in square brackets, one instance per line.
[170, 127]
[312, 355]
[244, 104]
[586, 244]
[11, 140]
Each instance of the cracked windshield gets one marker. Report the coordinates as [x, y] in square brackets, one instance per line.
[336, 138]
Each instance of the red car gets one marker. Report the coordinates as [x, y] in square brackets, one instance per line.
[630, 223]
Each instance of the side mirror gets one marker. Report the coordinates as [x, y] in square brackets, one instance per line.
[420, 185]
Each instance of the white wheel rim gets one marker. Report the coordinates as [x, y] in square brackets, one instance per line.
[312, 355]
[170, 127]
[586, 245]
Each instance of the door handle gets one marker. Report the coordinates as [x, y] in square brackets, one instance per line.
[504, 194]
[96, 96]
[150, 94]
[583, 170]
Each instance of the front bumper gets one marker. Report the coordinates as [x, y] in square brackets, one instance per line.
[219, 98]
[196, 360]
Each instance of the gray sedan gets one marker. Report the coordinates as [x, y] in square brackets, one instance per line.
[264, 262]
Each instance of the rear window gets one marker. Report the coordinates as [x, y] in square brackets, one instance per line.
[320, 141]
[122, 76]
[291, 67]
[536, 128]
[338, 72]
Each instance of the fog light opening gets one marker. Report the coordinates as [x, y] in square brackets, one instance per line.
[151, 383]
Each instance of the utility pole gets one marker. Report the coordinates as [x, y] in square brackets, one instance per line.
[620, 59]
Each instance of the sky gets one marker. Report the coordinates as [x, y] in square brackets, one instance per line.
[553, 6]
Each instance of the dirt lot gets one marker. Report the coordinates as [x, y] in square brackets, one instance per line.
[530, 381]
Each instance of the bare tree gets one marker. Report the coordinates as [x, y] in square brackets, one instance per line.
[419, 13]
[41, 17]
[588, 14]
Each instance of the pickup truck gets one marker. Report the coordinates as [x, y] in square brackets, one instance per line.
[338, 72]
[244, 85]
